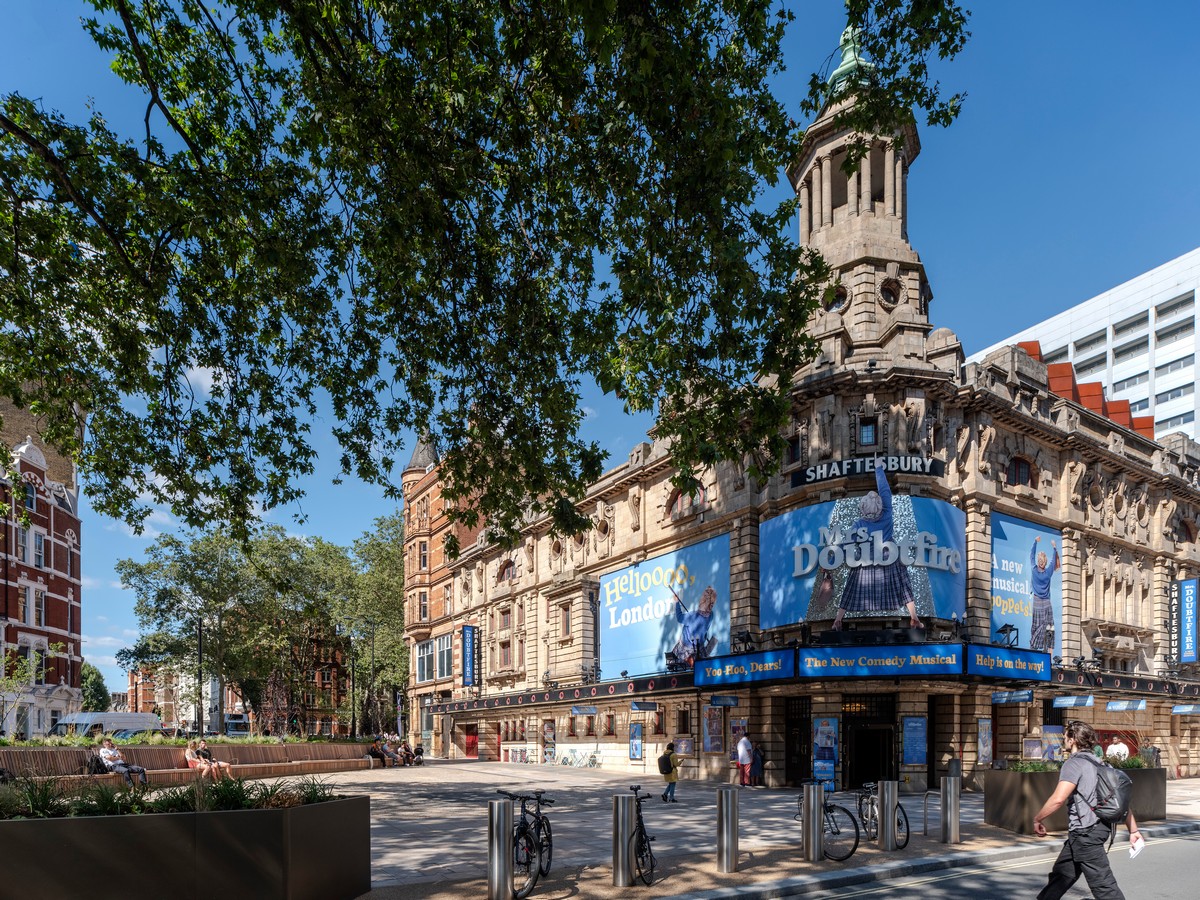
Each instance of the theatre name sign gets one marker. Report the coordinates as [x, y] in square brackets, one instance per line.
[865, 465]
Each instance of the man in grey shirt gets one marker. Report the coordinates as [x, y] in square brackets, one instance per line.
[1084, 851]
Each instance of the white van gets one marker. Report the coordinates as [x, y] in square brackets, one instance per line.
[96, 723]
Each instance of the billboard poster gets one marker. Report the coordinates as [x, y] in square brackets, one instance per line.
[874, 555]
[676, 603]
[1027, 583]
[714, 729]
[635, 740]
[916, 740]
[825, 749]
[983, 743]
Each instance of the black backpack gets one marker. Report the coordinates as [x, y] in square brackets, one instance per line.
[95, 765]
[664, 764]
[1114, 793]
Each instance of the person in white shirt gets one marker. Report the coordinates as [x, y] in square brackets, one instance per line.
[1118, 749]
[116, 762]
[745, 759]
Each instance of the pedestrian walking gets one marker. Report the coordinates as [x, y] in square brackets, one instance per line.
[745, 759]
[756, 767]
[1084, 852]
[669, 764]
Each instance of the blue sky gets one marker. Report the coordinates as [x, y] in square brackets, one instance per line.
[1071, 169]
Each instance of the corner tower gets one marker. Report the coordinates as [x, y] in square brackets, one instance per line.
[879, 306]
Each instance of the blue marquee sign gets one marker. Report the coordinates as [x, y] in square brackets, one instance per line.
[1125, 705]
[885, 661]
[1186, 709]
[1072, 702]
[1007, 662]
[999, 697]
[767, 665]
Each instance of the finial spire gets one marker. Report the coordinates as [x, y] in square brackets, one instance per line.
[851, 63]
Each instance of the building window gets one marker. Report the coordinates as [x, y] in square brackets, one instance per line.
[610, 724]
[505, 655]
[39, 608]
[1060, 355]
[683, 720]
[660, 724]
[1131, 350]
[30, 497]
[868, 431]
[23, 544]
[505, 619]
[1175, 333]
[571, 727]
[422, 606]
[445, 655]
[425, 661]
[1176, 365]
[39, 550]
[1091, 366]
[423, 556]
[590, 726]
[1175, 393]
[1136, 406]
[1133, 323]
[1175, 421]
[1174, 307]
[564, 617]
[684, 503]
[24, 602]
[1132, 381]
[1020, 471]
[508, 572]
[1091, 342]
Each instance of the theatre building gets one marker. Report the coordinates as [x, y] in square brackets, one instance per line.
[953, 559]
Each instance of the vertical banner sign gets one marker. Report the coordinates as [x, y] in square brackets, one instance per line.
[1027, 584]
[983, 744]
[1187, 621]
[635, 740]
[825, 748]
[468, 655]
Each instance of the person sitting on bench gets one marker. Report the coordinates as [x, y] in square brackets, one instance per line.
[116, 762]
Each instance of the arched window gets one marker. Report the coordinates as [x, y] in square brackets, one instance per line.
[1020, 471]
[684, 503]
[508, 572]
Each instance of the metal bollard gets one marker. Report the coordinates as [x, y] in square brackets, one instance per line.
[814, 822]
[727, 829]
[500, 849]
[889, 798]
[951, 798]
[622, 832]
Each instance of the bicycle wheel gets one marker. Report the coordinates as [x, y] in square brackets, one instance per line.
[642, 855]
[525, 861]
[901, 827]
[870, 819]
[862, 806]
[841, 832]
[546, 844]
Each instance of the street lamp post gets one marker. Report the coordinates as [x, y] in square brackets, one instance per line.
[199, 677]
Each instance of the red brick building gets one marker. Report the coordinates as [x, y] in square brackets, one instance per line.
[42, 596]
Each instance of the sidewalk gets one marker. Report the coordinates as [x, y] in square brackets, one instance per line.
[429, 835]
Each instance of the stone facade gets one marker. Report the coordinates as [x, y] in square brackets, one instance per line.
[991, 437]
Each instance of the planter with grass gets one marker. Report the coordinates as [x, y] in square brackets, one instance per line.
[1013, 796]
[234, 839]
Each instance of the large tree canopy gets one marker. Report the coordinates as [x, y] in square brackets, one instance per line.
[437, 217]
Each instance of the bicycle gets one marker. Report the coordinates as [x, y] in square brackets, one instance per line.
[868, 814]
[840, 828]
[640, 850]
[527, 858]
[543, 832]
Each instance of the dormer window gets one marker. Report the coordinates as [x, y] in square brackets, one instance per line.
[30, 497]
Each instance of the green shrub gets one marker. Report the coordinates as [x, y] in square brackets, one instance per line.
[1032, 765]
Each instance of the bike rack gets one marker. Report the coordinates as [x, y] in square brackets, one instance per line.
[622, 832]
[500, 849]
[727, 829]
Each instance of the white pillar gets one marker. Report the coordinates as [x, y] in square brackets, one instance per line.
[889, 181]
[901, 174]
[805, 212]
[866, 207]
[827, 190]
[815, 217]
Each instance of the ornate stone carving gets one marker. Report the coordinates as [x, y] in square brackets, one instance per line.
[635, 508]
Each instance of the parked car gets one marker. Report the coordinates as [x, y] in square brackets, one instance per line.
[140, 733]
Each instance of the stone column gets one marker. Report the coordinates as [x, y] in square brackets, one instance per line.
[852, 192]
[805, 212]
[901, 174]
[816, 214]
[827, 190]
[866, 207]
[889, 181]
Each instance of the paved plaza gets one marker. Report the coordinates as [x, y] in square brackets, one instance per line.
[429, 835]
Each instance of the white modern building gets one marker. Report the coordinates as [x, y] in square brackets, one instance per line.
[1137, 339]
